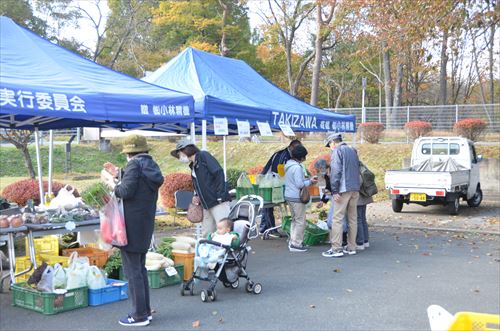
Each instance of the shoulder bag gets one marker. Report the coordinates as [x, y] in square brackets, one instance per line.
[195, 210]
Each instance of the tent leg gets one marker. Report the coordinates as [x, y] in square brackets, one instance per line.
[51, 149]
[204, 135]
[224, 143]
[193, 133]
[39, 166]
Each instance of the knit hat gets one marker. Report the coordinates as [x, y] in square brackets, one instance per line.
[135, 144]
[299, 152]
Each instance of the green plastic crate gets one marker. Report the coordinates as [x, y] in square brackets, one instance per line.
[159, 278]
[48, 303]
[242, 191]
[314, 235]
[286, 223]
[266, 193]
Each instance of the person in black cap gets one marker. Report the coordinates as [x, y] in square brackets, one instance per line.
[295, 180]
[208, 182]
[278, 158]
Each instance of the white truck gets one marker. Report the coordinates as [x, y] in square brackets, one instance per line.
[443, 170]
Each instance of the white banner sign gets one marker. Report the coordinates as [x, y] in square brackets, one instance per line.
[287, 130]
[220, 126]
[243, 128]
[265, 129]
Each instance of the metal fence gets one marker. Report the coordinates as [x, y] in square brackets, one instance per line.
[441, 117]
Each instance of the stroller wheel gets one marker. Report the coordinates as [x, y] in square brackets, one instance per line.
[183, 288]
[212, 295]
[235, 284]
[249, 287]
[257, 288]
[226, 284]
[265, 236]
[204, 295]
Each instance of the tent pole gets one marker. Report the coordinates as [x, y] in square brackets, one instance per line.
[193, 133]
[39, 167]
[224, 143]
[204, 135]
[51, 152]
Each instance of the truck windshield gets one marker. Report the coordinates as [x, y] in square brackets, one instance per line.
[440, 149]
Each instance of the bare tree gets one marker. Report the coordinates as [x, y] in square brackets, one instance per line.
[223, 49]
[20, 139]
[443, 90]
[386, 63]
[287, 16]
[322, 33]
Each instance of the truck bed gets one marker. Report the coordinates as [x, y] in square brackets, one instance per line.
[407, 178]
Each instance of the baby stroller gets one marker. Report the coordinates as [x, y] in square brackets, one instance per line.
[232, 264]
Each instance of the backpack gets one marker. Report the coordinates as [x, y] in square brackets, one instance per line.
[368, 187]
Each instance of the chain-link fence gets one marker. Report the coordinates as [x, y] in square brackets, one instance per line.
[441, 117]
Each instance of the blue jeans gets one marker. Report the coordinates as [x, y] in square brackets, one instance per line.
[362, 235]
[267, 221]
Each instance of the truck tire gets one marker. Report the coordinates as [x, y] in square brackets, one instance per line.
[454, 206]
[475, 201]
[397, 205]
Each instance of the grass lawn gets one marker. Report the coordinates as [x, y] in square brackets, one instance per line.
[87, 160]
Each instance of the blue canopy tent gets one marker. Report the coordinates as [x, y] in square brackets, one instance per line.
[44, 86]
[230, 88]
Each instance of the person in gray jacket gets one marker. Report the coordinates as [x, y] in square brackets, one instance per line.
[345, 183]
[295, 180]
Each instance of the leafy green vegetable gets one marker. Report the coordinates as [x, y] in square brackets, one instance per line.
[96, 196]
[114, 263]
[165, 247]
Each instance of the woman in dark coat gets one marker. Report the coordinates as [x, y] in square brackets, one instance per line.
[139, 185]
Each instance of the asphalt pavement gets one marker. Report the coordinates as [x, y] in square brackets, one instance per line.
[387, 287]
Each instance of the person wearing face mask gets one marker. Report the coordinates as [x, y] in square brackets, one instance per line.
[208, 182]
[295, 180]
[345, 184]
[140, 181]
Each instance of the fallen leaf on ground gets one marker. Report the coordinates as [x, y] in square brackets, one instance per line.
[336, 270]
[349, 290]
[221, 320]
[330, 298]
[418, 276]
[214, 312]
[427, 254]
[196, 324]
[312, 306]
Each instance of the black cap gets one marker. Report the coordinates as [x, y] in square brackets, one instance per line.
[299, 152]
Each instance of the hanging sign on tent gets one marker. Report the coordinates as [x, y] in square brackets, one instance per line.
[243, 128]
[287, 130]
[220, 126]
[265, 129]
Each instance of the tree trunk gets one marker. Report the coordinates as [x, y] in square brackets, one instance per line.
[27, 161]
[224, 50]
[317, 59]
[443, 97]
[397, 93]
[386, 62]
[289, 72]
[490, 50]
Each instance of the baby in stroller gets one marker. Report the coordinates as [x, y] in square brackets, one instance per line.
[223, 255]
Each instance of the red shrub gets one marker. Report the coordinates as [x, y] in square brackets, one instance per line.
[470, 128]
[371, 131]
[174, 182]
[20, 192]
[312, 169]
[256, 170]
[416, 129]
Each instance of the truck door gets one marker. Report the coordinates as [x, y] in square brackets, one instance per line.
[474, 172]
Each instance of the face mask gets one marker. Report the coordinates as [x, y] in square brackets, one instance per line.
[183, 158]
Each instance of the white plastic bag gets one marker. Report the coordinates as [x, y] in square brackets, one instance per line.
[65, 199]
[266, 181]
[46, 282]
[95, 278]
[277, 189]
[76, 272]
[243, 181]
[59, 277]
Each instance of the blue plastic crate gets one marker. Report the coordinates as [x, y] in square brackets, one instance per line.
[108, 294]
